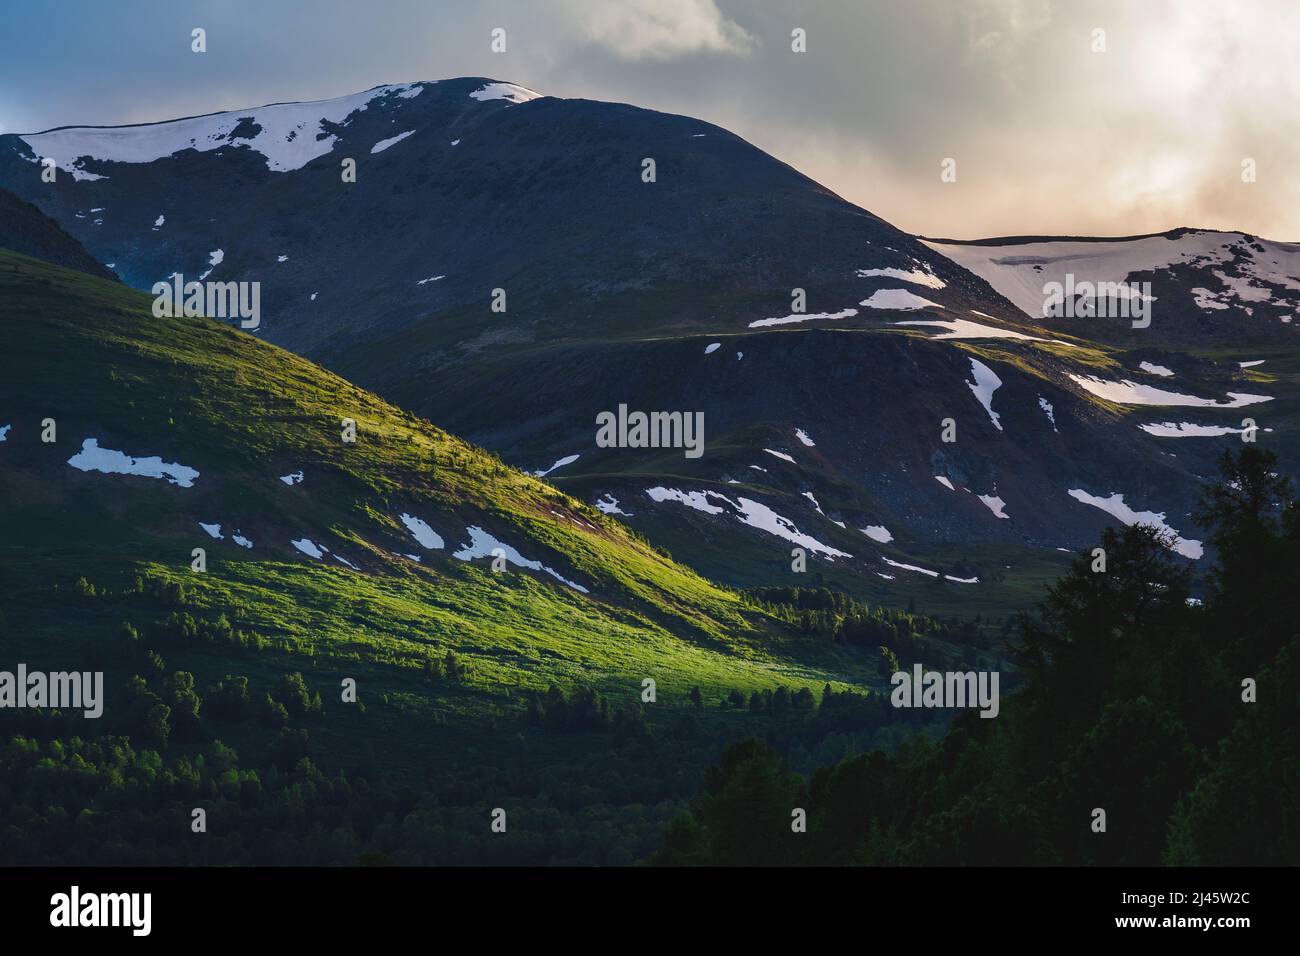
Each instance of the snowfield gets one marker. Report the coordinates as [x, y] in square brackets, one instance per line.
[1019, 271]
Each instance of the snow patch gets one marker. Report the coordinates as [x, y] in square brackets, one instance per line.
[93, 458]
[878, 532]
[505, 91]
[899, 300]
[994, 504]
[692, 499]
[921, 276]
[422, 533]
[1189, 430]
[608, 504]
[985, 384]
[383, 144]
[802, 317]
[966, 329]
[1046, 406]
[309, 547]
[1116, 508]
[482, 544]
[750, 512]
[758, 515]
[566, 460]
[215, 258]
[1131, 393]
[927, 572]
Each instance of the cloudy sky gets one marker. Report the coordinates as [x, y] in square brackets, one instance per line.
[1050, 134]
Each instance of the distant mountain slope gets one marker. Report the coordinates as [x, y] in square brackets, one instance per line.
[1208, 285]
[826, 349]
[25, 229]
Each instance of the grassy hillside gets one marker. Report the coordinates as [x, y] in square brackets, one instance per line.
[91, 356]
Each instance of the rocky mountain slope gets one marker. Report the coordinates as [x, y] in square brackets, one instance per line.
[25, 229]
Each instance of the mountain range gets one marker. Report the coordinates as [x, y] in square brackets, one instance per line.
[510, 265]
